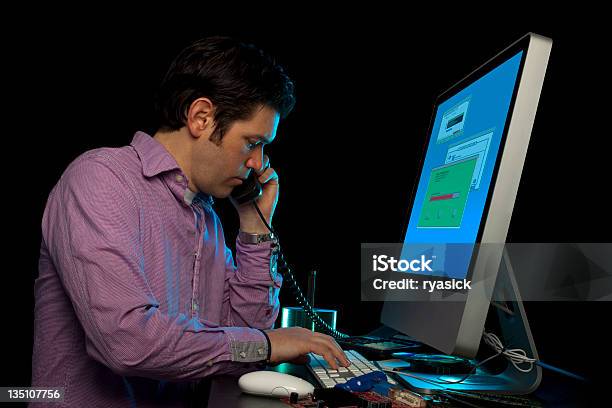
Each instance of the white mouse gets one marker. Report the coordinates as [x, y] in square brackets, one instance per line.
[273, 384]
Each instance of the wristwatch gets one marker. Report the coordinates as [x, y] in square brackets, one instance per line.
[249, 238]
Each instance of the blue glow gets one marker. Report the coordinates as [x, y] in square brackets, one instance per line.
[194, 324]
[294, 315]
[171, 275]
[285, 317]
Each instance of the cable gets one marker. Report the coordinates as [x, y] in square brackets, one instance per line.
[515, 356]
[518, 357]
[263, 219]
[300, 298]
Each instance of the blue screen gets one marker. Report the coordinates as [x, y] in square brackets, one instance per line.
[459, 164]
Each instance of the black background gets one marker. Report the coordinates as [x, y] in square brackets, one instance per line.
[347, 156]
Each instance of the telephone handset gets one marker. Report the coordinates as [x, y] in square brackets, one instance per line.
[249, 190]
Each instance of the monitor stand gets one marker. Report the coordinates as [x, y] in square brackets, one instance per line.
[515, 332]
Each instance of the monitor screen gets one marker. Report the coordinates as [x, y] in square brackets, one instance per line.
[458, 168]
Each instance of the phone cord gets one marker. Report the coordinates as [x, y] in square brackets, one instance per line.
[299, 296]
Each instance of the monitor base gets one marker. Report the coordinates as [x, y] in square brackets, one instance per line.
[514, 330]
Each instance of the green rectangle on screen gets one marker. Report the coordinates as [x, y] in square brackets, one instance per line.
[447, 194]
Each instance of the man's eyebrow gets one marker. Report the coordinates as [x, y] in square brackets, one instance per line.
[260, 137]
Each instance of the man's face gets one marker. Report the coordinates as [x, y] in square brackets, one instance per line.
[217, 169]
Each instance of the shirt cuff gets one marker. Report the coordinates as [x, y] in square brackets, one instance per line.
[247, 345]
[269, 345]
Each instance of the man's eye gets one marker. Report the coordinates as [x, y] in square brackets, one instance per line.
[252, 145]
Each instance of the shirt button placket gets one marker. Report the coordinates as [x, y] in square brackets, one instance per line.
[196, 263]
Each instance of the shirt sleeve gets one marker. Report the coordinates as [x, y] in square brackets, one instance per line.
[91, 227]
[252, 288]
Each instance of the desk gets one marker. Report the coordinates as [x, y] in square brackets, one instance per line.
[555, 391]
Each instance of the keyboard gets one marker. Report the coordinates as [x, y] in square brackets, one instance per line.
[328, 378]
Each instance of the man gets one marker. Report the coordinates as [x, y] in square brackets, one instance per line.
[137, 295]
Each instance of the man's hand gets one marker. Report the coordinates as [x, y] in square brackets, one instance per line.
[249, 219]
[293, 343]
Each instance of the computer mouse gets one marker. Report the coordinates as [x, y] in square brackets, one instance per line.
[273, 384]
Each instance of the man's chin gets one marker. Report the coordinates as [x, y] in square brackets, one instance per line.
[222, 193]
[218, 192]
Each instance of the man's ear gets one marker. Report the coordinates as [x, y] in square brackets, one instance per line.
[200, 118]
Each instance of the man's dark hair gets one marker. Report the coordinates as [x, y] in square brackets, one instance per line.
[236, 77]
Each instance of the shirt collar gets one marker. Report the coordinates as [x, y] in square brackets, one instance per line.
[156, 159]
[153, 155]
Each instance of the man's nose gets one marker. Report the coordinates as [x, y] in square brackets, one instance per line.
[255, 160]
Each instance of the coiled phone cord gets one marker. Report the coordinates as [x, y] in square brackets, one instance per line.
[299, 296]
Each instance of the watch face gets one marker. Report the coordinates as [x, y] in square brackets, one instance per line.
[265, 237]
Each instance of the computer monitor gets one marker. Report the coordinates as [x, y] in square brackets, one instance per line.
[467, 186]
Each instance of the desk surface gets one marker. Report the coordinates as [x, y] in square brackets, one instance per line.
[554, 391]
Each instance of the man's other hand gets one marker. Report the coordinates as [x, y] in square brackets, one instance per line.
[292, 343]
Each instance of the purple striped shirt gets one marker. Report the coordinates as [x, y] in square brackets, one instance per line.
[137, 294]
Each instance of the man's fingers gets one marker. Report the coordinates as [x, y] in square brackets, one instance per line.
[339, 355]
[268, 176]
[334, 347]
[321, 348]
[330, 360]
[266, 173]
[331, 352]
[344, 358]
